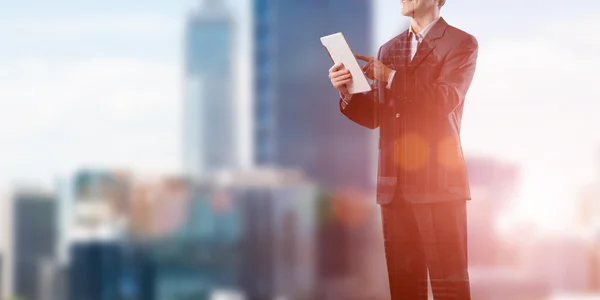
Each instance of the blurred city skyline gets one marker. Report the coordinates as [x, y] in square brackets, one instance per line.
[98, 108]
[108, 90]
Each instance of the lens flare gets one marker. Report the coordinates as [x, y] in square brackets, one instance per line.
[411, 152]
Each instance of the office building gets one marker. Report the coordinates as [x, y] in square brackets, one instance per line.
[280, 248]
[248, 231]
[298, 240]
[351, 260]
[94, 271]
[35, 238]
[110, 270]
[49, 280]
[263, 232]
[210, 140]
[112, 186]
[297, 122]
[158, 206]
[6, 242]
[94, 202]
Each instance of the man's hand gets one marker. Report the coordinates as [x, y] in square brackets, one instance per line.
[374, 69]
[340, 77]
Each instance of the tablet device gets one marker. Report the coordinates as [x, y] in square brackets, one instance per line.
[339, 51]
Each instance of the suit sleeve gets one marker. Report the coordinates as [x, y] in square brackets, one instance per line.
[449, 90]
[363, 109]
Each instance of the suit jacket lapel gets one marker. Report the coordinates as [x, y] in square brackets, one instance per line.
[428, 44]
[399, 53]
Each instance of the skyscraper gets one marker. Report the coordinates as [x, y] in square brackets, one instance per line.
[7, 216]
[94, 271]
[251, 231]
[110, 270]
[209, 113]
[296, 116]
[34, 233]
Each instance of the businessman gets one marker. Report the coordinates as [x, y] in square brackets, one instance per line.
[420, 79]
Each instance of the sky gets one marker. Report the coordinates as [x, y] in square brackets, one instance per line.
[98, 83]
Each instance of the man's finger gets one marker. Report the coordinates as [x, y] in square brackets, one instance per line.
[342, 83]
[363, 57]
[339, 73]
[336, 67]
[344, 76]
[367, 65]
[367, 68]
[341, 78]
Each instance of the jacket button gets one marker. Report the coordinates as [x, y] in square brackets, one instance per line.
[397, 116]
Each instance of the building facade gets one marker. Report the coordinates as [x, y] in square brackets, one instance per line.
[210, 141]
[297, 122]
[252, 232]
[35, 238]
[110, 270]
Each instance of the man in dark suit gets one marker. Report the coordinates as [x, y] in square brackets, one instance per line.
[420, 78]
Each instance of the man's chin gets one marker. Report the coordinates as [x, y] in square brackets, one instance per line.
[407, 13]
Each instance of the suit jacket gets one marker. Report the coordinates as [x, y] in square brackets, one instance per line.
[419, 116]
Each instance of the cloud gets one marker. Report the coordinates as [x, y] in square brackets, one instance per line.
[58, 116]
[91, 25]
[72, 36]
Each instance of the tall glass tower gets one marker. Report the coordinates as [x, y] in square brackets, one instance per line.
[297, 121]
[209, 112]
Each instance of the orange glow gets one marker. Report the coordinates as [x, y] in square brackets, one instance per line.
[349, 207]
[411, 152]
[448, 153]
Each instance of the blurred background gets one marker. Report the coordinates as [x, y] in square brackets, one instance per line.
[194, 149]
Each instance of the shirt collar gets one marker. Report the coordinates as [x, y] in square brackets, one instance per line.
[425, 30]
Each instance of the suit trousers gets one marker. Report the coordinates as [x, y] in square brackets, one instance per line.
[426, 238]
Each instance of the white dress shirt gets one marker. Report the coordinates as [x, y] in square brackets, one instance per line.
[415, 40]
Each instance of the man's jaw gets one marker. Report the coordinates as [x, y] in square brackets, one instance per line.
[408, 2]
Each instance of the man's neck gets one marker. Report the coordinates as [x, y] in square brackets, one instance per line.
[418, 23]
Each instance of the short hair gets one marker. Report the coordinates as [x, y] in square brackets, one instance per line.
[441, 3]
